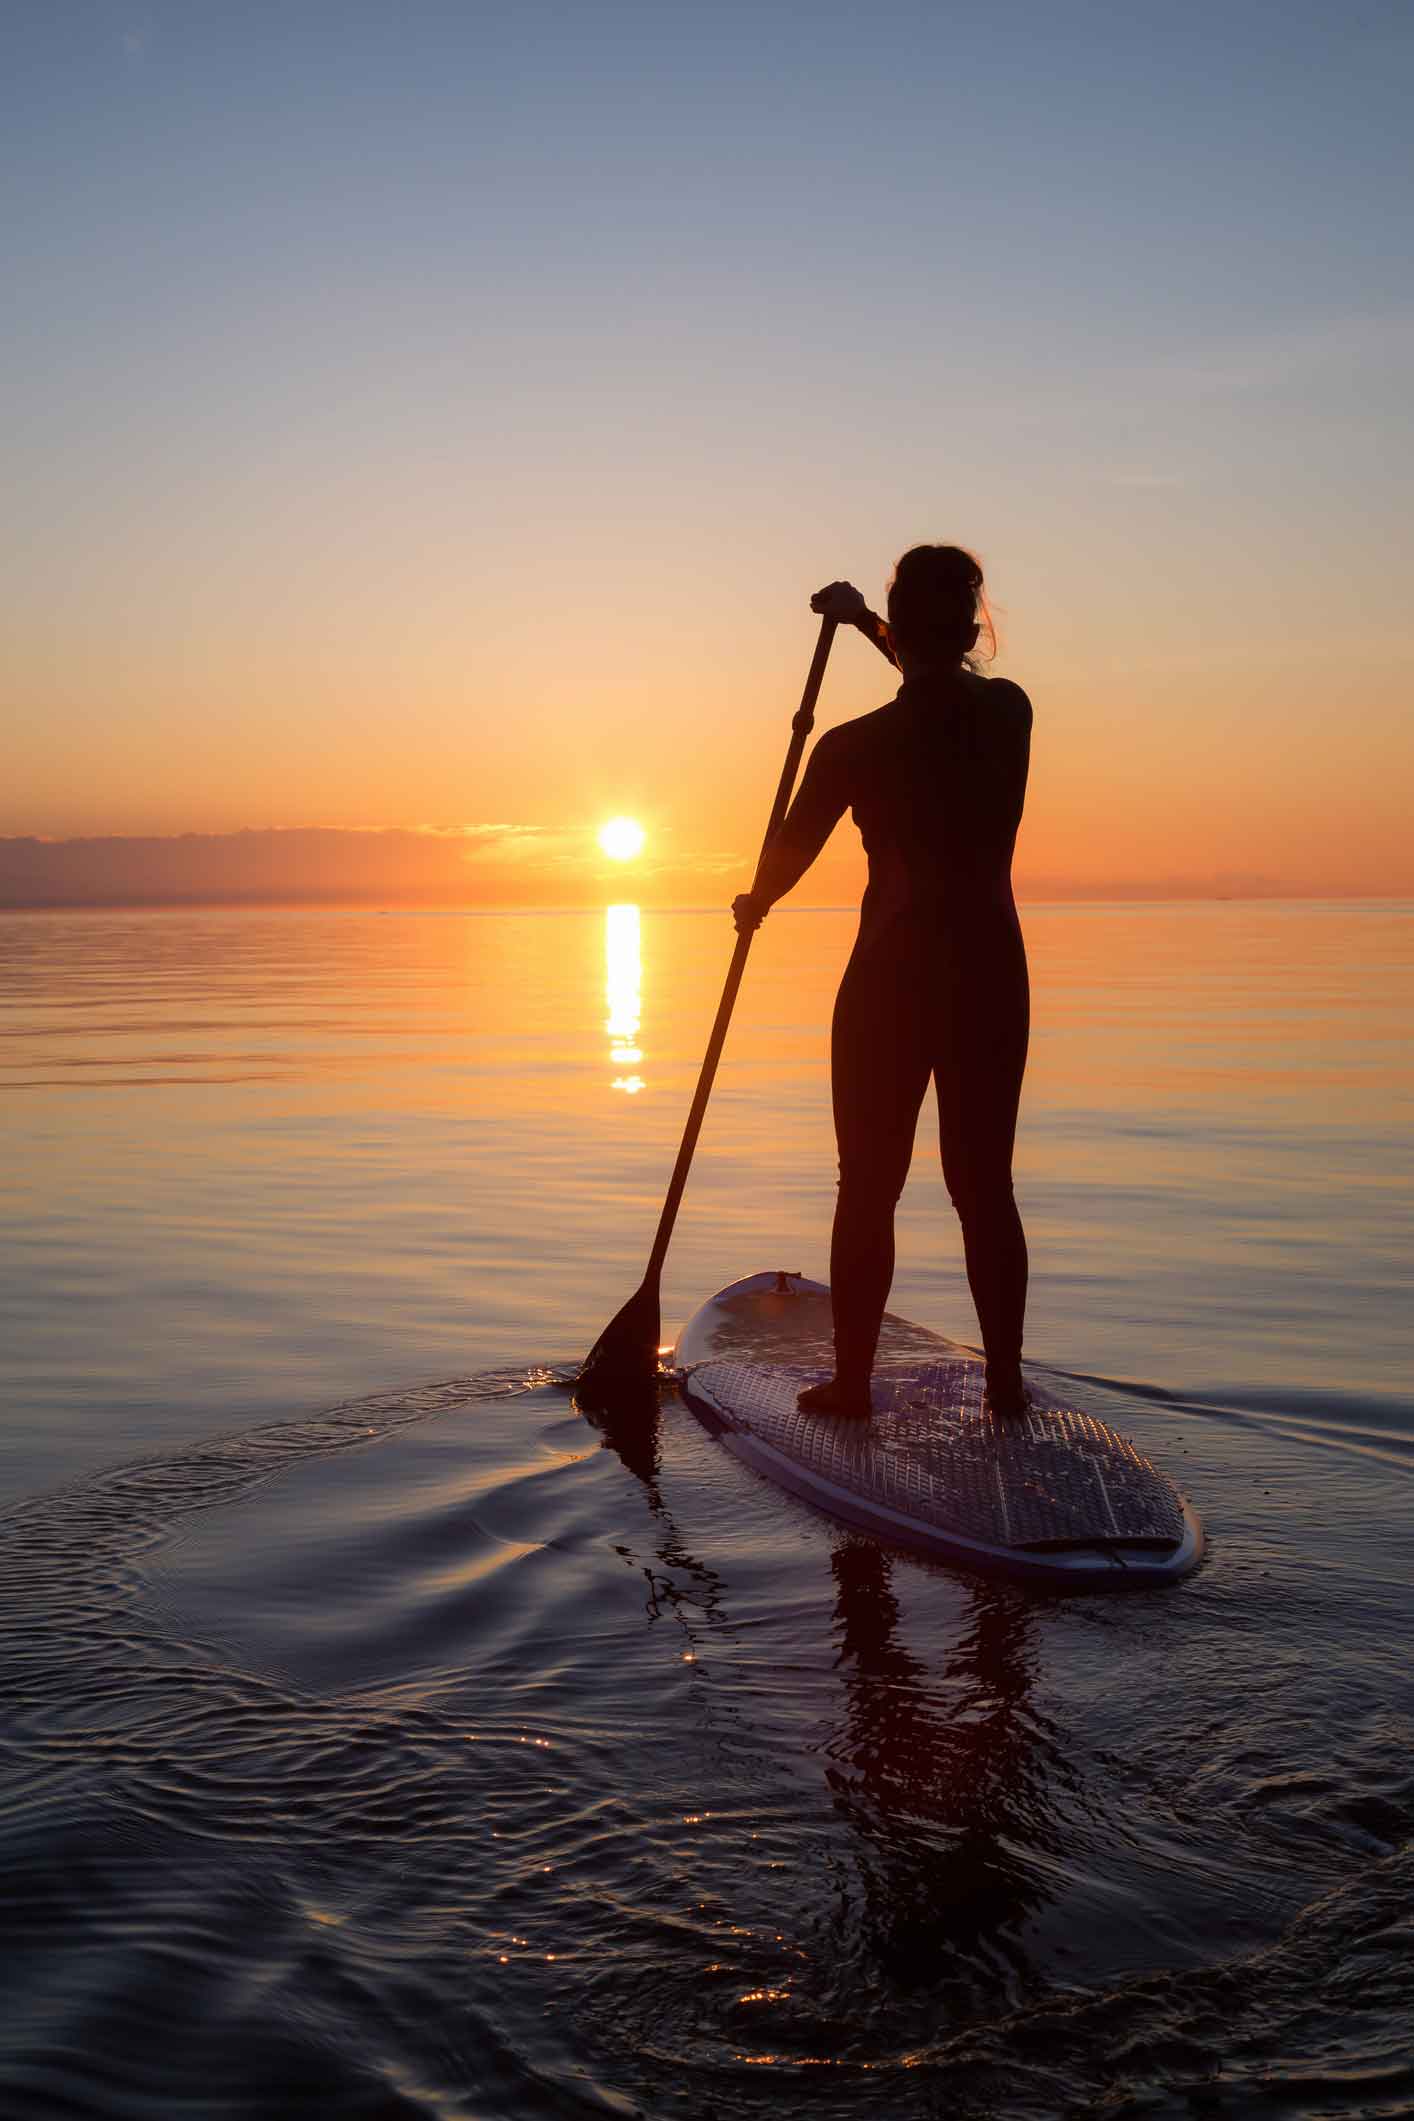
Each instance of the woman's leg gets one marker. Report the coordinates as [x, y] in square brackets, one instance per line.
[879, 1072]
[980, 1065]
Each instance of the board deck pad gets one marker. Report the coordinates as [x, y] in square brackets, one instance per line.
[932, 1450]
[1056, 1495]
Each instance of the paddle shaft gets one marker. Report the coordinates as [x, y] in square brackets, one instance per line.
[801, 726]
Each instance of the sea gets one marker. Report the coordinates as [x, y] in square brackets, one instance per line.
[381, 1737]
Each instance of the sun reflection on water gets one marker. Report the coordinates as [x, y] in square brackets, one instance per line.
[623, 991]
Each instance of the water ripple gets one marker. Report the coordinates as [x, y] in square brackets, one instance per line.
[411, 1760]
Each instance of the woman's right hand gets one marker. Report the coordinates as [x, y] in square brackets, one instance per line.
[748, 913]
[840, 601]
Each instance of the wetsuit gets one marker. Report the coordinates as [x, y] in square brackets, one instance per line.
[936, 989]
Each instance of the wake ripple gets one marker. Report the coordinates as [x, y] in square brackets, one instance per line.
[569, 1842]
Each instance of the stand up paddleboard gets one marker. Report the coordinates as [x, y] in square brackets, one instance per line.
[1055, 1497]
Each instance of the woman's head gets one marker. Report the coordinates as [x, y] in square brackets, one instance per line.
[936, 605]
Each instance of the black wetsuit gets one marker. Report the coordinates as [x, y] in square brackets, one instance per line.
[936, 988]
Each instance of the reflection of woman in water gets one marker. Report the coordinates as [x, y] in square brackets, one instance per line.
[944, 1774]
[936, 988]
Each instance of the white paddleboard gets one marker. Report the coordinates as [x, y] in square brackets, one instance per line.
[1056, 1497]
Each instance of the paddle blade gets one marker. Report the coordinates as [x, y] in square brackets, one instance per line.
[624, 1359]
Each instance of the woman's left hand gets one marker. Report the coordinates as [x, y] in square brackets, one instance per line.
[748, 913]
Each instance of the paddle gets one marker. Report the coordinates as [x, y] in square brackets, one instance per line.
[624, 1358]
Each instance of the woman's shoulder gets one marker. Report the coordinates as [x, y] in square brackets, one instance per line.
[855, 738]
[1002, 697]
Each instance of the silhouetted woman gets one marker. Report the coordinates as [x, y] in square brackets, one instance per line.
[936, 987]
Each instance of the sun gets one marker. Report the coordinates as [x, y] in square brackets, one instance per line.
[622, 838]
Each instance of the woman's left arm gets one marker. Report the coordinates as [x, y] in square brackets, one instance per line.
[876, 630]
[1015, 709]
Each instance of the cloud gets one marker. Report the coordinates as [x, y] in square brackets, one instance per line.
[319, 864]
[500, 842]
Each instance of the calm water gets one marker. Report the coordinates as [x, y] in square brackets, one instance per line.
[376, 1741]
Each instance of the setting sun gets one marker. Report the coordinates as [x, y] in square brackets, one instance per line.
[621, 839]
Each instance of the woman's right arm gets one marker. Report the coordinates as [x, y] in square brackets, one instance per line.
[820, 803]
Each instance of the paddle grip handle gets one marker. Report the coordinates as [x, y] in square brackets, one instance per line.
[802, 723]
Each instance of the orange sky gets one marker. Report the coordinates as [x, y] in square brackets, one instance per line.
[1278, 776]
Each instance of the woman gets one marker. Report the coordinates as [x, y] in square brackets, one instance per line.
[936, 987]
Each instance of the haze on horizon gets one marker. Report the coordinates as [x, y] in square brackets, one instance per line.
[440, 417]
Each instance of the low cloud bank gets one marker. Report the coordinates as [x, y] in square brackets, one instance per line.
[490, 863]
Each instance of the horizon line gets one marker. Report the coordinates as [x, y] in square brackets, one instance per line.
[284, 902]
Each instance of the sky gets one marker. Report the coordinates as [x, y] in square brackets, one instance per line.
[433, 419]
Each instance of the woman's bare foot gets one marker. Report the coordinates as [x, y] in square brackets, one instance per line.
[837, 1397]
